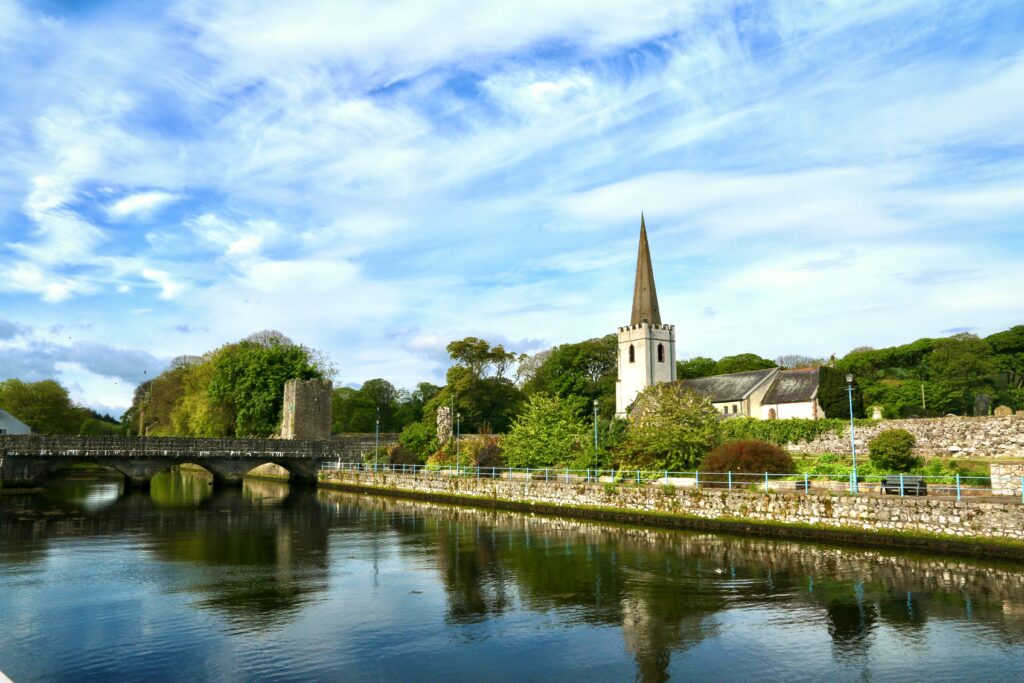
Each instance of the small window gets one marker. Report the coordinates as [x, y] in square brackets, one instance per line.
[632, 354]
[3, 431]
[734, 410]
[661, 353]
[725, 409]
[772, 414]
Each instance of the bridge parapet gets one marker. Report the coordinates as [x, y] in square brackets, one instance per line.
[346, 447]
[26, 459]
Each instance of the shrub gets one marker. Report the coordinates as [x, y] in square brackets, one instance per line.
[398, 454]
[420, 438]
[481, 450]
[750, 456]
[489, 455]
[893, 451]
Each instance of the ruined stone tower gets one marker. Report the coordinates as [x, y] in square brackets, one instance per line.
[647, 348]
[307, 409]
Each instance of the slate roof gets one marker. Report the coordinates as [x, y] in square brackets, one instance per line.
[12, 424]
[793, 386]
[732, 387]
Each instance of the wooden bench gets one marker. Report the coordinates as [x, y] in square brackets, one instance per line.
[912, 485]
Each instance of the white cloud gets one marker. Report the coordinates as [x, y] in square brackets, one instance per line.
[140, 203]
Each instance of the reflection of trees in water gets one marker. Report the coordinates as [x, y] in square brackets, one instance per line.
[266, 543]
[276, 554]
[469, 562]
[663, 588]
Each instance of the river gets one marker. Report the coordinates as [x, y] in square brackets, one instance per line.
[268, 583]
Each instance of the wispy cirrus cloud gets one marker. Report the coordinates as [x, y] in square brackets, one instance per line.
[373, 178]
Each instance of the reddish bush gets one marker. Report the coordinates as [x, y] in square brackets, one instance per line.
[748, 456]
[400, 455]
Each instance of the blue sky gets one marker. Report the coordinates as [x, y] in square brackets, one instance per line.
[375, 179]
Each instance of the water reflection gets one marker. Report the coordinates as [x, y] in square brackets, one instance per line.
[181, 487]
[266, 557]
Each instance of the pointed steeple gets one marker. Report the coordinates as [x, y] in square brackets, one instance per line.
[645, 297]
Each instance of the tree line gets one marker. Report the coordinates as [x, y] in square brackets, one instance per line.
[237, 389]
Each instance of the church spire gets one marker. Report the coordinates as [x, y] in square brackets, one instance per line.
[645, 297]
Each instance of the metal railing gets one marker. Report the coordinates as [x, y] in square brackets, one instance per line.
[904, 485]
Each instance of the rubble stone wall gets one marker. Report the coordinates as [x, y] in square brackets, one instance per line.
[995, 437]
[962, 520]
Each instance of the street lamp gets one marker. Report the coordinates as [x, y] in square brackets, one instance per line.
[595, 425]
[458, 441]
[853, 441]
[376, 440]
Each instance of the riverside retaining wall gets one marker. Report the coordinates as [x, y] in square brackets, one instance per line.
[1003, 521]
[1000, 437]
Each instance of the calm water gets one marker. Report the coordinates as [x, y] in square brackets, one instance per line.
[265, 583]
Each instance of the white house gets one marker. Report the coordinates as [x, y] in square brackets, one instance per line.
[12, 425]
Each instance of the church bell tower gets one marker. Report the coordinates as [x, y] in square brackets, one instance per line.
[647, 348]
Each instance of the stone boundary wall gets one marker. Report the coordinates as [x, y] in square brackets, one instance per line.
[346, 447]
[996, 437]
[892, 515]
[1007, 476]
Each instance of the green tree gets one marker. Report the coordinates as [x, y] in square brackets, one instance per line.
[477, 386]
[411, 407]
[698, 366]
[743, 362]
[44, 406]
[671, 428]
[250, 378]
[1008, 355]
[549, 432]
[586, 370]
[964, 364]
[196, 413]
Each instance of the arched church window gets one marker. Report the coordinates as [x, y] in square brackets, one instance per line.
[772, 414]
[632, 354]
[661, 353]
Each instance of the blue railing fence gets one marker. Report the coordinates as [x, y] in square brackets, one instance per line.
[891, 484]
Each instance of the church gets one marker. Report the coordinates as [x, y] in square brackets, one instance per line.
[647, 356]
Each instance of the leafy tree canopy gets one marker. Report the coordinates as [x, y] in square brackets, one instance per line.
[586, 370]
[671, 428]
[47, 408]
[698, 366]
[549, 432]
[743, 362]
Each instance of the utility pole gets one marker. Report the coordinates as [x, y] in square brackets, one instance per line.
[923, 406]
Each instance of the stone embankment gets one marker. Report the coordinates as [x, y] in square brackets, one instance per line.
[926, 522]
[998, 437]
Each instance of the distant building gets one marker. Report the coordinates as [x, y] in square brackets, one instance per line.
[12, 425]
[766, 394]
[647, 356]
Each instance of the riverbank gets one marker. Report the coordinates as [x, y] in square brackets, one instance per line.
[980, 529]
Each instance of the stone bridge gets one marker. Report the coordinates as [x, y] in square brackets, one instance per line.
[26, 460]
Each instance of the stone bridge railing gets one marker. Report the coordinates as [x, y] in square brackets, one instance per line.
[344, 447]
[25, 460]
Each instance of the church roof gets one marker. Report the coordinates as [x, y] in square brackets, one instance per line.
[645, 297]
[793, 386]
[732, 387]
